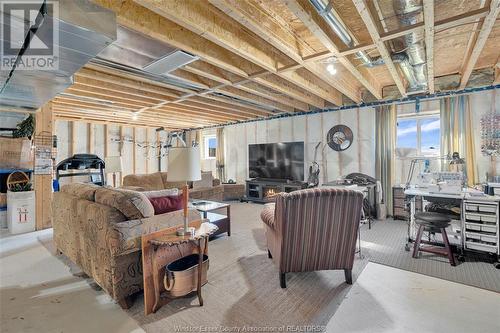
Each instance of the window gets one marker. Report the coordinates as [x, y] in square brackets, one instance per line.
[210, 146]
[420, 132]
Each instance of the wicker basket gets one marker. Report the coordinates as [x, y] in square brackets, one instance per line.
[181, 276]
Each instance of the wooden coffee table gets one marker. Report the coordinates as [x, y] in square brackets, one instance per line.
[207, 208]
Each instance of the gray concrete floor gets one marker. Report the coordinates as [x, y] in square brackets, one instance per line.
[387, 299]
[39, 293]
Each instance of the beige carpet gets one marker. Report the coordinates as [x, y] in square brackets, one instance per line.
[243, 288]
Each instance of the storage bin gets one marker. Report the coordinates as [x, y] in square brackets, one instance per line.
[470, 226]
[473, 217]
[490, 239]
[480, 247]
[21, 211]
[489, 219]
[473, 236]
[487, 228]
[487, 208]
[471, 208]
[181, 276]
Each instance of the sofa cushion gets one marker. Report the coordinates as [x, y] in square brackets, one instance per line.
[167, 184]
[162, 193]
[81, 190]
[132, 204]
[150, 181]
[166, 204]
[206, 180]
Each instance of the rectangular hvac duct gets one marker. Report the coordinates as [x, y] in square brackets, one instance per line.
[170, 62]
[85, 29]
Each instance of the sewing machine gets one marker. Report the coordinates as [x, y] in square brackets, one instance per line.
[446, 182]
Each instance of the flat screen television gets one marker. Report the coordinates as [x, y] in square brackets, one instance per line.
[283, 160]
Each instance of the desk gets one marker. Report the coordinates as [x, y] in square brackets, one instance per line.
[477, 228]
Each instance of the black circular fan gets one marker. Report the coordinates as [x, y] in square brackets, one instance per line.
[339, 137]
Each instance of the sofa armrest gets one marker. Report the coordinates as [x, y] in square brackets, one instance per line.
[130, 232]
[216, 182]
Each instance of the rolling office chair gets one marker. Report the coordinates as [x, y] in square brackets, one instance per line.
[433, 222]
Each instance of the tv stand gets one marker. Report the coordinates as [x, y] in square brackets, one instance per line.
[264, 189]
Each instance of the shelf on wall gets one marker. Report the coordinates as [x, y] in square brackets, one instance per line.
[7, 171]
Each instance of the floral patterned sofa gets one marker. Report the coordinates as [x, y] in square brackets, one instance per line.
[208, 188]
[100, 228]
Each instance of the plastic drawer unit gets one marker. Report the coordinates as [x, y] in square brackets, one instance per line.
[481, 226]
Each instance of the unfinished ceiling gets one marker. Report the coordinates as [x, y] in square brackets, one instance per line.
[233, 60]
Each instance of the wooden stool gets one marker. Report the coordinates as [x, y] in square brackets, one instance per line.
[433, 222]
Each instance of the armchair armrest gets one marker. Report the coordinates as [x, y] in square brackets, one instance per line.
[267, 214]
[216, 182]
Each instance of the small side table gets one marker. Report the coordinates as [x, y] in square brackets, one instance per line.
[205, 207]
[154, 246]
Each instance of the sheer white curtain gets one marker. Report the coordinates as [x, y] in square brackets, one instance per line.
[385, 145]
[457, 133]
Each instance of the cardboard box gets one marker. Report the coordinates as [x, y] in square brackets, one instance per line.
[15, 153]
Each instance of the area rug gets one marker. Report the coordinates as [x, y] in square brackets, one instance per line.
[384, 244]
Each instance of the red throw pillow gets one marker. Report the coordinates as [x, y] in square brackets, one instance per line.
[166, 204]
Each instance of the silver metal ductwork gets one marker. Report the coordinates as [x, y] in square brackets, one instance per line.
[85, 29]
[324, 8]
[414, 68]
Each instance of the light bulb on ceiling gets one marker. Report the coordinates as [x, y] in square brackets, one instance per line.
[134, 116]
[331, 69]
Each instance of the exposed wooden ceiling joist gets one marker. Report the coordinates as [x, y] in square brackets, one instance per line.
[472, 40]
[255, 19]
[154, 117]
[205, 20]
[205, 111]
[375, 35]
[277, 96]
[318, 26]
[440, 25]
[214, 106]
[429, 42]
[135, 83]
[116, 116]
[119, 78]
[207, 70]
[250, 97]
[257, 59]
[285, 87]
[489, 22]
[120, 88]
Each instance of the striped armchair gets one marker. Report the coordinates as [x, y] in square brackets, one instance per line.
[313, 229]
